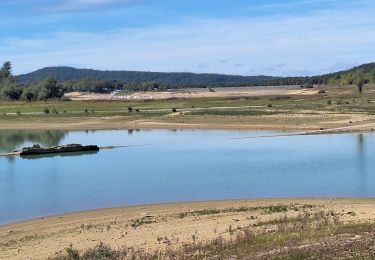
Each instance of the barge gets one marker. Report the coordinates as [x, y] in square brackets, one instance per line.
[37, 150]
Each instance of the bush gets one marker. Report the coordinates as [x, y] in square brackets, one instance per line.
[100, 252]
[11, 92]
[322, 91]
[71, 253]
[130, 109]
[174, 110]
[64, 98]
[46, 111]
[54, 110]
[49, 89]
[28, 94]
[329, 102]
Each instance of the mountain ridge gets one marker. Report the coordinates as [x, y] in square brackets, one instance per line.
[64, 73]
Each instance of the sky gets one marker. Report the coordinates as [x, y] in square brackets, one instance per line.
[241, 37]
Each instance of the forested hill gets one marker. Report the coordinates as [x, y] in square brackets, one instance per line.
[365, 72]
[174, 79]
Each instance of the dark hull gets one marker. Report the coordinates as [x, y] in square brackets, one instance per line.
[58, 150]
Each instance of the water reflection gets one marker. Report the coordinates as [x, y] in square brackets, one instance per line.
[361, 149]
[70, 154]
[180, 166]
[11, 139]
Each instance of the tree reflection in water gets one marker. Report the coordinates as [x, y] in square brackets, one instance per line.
[13, 139]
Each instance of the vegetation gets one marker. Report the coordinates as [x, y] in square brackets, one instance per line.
[104, 81]
[318, 235]
[265, 210]
[11, 139]
[53, 82]
[45, 89]
[135, 78]
[293, 110]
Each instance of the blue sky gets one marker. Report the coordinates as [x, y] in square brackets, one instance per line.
[245, 37]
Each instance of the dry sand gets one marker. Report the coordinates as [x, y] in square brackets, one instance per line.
[160, 226]
[224, 92]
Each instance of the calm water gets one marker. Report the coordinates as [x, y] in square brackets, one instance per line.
[179, 166]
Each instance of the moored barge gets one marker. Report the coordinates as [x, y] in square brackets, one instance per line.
[37, 150]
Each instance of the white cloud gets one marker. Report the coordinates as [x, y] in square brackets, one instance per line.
[309, 44]
[75, 5]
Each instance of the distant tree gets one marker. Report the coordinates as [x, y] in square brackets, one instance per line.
[372, 76]
[28, 94]
[11, 92]
[6, 71]
[50, 89]
[360, 80]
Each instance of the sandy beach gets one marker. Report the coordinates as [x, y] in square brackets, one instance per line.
[152, 227]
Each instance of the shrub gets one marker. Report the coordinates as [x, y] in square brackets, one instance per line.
[174, 110]
[71, 253]
[130, 109]
[322, 91]
[54, 110]
[101, 252]
[46, 111]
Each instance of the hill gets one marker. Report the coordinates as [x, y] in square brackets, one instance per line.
[174, 79]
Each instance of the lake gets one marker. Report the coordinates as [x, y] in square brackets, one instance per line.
[162, 166]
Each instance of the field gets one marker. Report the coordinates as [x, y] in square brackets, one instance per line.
[325, 107]
[260, 229]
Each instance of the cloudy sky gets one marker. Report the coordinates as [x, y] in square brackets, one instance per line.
[245, 37]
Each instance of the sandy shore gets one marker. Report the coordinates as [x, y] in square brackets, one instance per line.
[114, 124]
[160, 226]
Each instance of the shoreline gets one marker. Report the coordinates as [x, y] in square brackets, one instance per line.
[148, 125]
[165, 226]
[105, 125]
[75, 215]
[112, 125]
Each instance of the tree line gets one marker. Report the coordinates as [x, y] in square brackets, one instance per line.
[10, 89]
[57, 81]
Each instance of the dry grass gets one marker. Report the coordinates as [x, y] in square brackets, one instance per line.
[318, 235]
[337, 107]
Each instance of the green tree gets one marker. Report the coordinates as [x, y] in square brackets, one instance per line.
[49, 89]
[6, 71]
[360, 80]
[372, 76]
[28, 94]
[11, 92]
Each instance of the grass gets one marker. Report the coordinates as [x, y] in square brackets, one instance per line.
[265, 210]
[335, 108]
[231, 112]
[337, 95]
[306, 236]
[141, 221]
